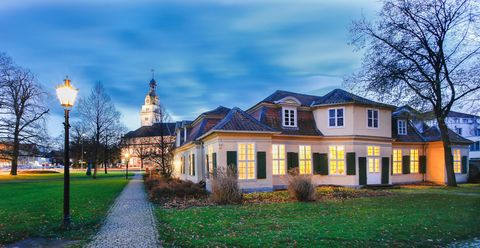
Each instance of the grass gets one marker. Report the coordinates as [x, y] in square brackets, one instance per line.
[400, 220]
[35, 209]
[4, 177]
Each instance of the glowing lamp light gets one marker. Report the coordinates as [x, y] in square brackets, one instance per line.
[66, 94]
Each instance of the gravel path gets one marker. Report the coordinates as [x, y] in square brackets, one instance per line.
[130, 222]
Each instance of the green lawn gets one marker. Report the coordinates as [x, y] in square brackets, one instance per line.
[59, 176]
[401, 220]
[35, 209]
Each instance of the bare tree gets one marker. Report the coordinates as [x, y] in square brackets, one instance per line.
[98, 113]
[424, 53]
[22, 110]
[162, 147]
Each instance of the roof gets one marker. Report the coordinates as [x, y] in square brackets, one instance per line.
[412, 133]
[168, 129]
[339, 96]
[305, 100]
[272, 117]
[461, 115]
[238, 120]
[220, 110]
[433, 134]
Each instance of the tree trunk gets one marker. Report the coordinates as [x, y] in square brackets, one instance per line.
[16, 149]
[105, 155]
[141, 163]
[451, 181]
[95, 156]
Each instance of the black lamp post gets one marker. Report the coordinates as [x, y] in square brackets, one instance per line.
[127, 158]
[66, 94]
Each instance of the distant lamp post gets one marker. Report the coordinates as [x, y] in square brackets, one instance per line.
[127, 158]
[66, 95]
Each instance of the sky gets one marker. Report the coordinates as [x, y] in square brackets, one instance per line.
[204, 53]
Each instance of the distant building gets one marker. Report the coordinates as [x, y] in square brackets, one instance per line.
[143, 142]
[466, 125]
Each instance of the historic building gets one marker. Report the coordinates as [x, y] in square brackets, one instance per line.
[145, 142]
[339, 138]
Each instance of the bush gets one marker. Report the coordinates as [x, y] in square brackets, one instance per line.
[38, 172]
[162, 188]
[301, 187]
[225, 188]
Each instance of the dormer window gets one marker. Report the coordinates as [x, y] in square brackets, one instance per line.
[289, 116]
[402, 127]
[335, 117]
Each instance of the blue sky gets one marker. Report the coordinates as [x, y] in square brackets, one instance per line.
[205, 53]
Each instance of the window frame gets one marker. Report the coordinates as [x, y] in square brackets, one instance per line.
[337, 160]
[246, 161]
[397, 162]
[376, 159]
[209, 161]
[373, 118]
[305, 159]
[191, 163]
[279, 159]
[414, 163]
[457, 161]
[398, 127]
[295, 117]
[336, 117]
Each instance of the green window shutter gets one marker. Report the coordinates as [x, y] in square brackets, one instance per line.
[261, 165]
[391, 171]
[406, 164]
[193, 164]
[385, 169]
[232, 161]
[362, 170]
[214, 161]
[292, 160]
[351, 163]
[464, 164]
[316, 163]
[323, 164]
[423, 164]
[208, 169]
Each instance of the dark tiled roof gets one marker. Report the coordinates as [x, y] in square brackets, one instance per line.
[238, 120]
[220, 110]
[168, 129]
[433, 134]
[406, 112]
[461, 115]
[412, 134]
[339, 96]
[272, 117]
[305, 100]
[201, 128]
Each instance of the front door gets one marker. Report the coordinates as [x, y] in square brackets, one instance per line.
[373, 170]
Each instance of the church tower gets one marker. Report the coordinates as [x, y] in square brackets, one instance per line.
[150, 112]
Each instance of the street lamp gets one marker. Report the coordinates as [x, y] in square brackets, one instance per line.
[127, 158]
[66, 95]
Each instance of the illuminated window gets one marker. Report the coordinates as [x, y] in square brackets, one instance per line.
[336, 157]
[192, 164]
[246, 161]
[397, 161]
[210, 158]
[278, 159]
[373, 153]
[335, 117]
[457, 161]
[305, 159]
[372, 118]
[289, 117]
[402, 127]
[414, 161]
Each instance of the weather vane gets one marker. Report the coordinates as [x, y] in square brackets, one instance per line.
[153, 73]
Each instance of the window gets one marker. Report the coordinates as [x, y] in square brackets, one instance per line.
[336, 157]
[414, 161]
[397, 161]
[458, 130]
[246, 161]
[475, 147]
[373, 153]
[191, 157]
[402, 127]
[457, 161]
[289, 117]
[335, 117]
[182, 167]
[278, 159]
[477, 132]
[465, 121]
[210, 158]
[305, 159]
[372, 118]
